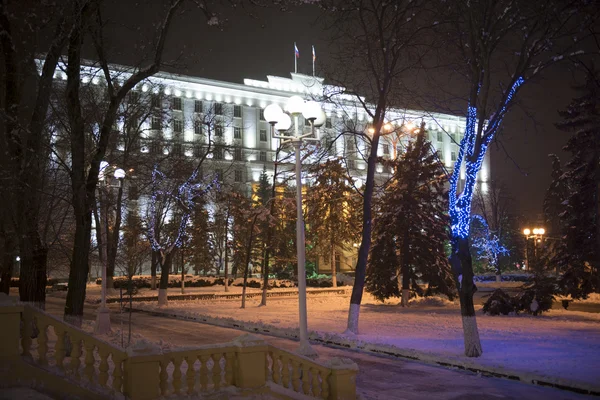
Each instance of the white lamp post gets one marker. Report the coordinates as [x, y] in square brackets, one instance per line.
[103, 313]
[281, 122]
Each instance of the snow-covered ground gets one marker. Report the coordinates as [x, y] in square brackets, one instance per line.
[560, 346]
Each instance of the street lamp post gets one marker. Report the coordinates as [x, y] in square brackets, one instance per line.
[281, 122]
[103, 313]
[536, 234]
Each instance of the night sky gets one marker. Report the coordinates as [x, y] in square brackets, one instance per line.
[262, 44]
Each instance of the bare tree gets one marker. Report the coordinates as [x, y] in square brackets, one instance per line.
[497, 47]
[374, 45]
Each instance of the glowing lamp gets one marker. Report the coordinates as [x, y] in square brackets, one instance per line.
[283, 123]
[311, 110]
[320, 121]
[526, 232]
[541, 231]
[272, 113]
[119, 173]
[295, 105]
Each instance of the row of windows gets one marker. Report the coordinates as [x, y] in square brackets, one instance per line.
[179, 149]
[177, 104]
[455, 138]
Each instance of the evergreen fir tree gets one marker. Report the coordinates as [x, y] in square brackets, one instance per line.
[201, 242]
[555, 196]
[580, 255]
[411, 228]
[332, 213]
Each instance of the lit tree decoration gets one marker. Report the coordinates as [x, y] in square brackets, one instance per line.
[184, 196]
[460, 203]
[487, 244]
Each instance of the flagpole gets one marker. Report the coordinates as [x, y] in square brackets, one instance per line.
[314, 56]
[295, 59]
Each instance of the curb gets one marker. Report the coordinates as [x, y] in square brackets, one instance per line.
[390, 351]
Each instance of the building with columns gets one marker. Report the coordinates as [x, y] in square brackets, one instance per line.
[189, 117]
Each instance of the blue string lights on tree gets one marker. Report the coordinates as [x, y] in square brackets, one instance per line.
[471, 146]
[487, 245]
[184, 196]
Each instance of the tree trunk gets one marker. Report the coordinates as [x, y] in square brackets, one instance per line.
[8, 259]
[79, 268]
[164, 279]
[153, 263]
[365, 244]
[265, 268]
[32, 277]
[248, 253]
[226, 272]
[333, 268]
[462, 266]
[182, 275]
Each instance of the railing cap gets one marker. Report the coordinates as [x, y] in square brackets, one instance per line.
[341, 363]
[143, 348]
[248, 340]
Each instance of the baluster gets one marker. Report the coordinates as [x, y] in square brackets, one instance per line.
[285, 371]
[75, 356]
[89, 360]
[59, 347]
[229, 367]
[190, 375]
[27, 332]
[103, 368]
[305, 379]
[164, 376]
[325, 384]
[42, 342]
[276, 374]
[267, 370]
[216, 370]
[296, 375]
[177, 374]
[117, 374]
[203, 372]
[315, 384]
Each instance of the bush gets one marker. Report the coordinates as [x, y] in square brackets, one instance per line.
[499, 303]
[14, 282]
[536, 298]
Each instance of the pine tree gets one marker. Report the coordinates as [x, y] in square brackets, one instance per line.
[580, 255]
[332, 213]
[555, 196]
[411, 228]
[202, 245]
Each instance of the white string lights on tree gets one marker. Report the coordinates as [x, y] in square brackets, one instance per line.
[185, 196]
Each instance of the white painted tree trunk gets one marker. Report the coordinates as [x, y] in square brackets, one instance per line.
[498, 278]
[162, 297]
[405, 297]
[353, 315]
[471, 337]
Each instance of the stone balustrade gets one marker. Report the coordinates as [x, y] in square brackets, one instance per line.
[143, 371]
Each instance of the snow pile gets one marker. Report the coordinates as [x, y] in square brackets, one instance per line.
[430, 301]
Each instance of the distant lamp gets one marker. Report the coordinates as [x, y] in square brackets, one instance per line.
[119, 173]
[526, 232]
